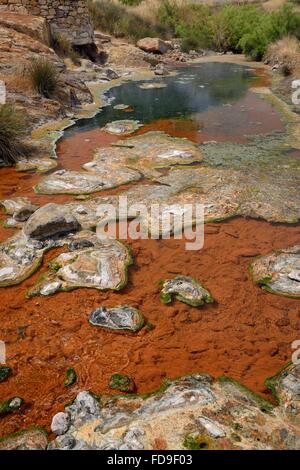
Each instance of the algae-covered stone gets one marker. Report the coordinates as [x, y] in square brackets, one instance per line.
[19, 258]
[123, 126]
[279, 272]
[121, 382]
[71, 377]
[10, 405]
[123, 317]
[102, 267]
[186, 290]
[5, 372]
[28, 439]
[49, 221]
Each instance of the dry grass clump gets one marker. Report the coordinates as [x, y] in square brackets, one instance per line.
[12, 129]
[44, 77]
[286, 54]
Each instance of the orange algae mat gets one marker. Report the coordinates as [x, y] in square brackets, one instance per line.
[247, 334]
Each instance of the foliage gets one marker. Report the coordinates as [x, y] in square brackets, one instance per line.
[12, 129]
[116, 19]
[44, 77]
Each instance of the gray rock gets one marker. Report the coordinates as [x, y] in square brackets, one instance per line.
[51, 220]
[60, 423]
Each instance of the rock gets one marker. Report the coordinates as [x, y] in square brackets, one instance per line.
[60, 423]
[102, 267]
[51, 220]
[5, 372]
[212, 427]
[155, 45]
[122, 317]
[51, 288]
[186, 290]
[40, 165]
[10, 405]
[71, 378]
[80, 244]
[279, 272]
[124, 127]
[84, 407]
[160, 69]
[122, 382]
[285, 386]
[28, 439]
[18, 259]
[20, 208]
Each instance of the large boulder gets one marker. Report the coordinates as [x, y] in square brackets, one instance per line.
[154, 45]
[51, 220]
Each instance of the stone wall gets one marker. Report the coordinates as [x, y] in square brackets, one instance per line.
[68, 17]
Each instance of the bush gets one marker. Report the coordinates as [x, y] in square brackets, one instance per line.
[12, 129]
[64, 48]
[116, 19]
[44, 77]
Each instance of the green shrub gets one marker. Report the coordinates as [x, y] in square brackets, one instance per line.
[12, 129]
[44, 77]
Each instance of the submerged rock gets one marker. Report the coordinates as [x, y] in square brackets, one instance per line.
[125, 126]
[152, 85]
[279, 272]
[29, 439]
[186, 290]
[122, 107]
[103, 266]
[5, 372]
[122, 382]
[195, 411]
[51, 220]
[122, 317]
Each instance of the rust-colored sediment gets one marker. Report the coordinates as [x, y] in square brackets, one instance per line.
[247, 334]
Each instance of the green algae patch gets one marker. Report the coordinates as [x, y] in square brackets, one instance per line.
[10, 405]
[121, 382]
[5, 372]
[198, 442]
[272, 382]
[71, 377]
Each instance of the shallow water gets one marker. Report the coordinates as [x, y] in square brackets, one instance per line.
[199, 98]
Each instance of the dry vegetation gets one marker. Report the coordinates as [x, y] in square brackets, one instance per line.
[285, 53]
